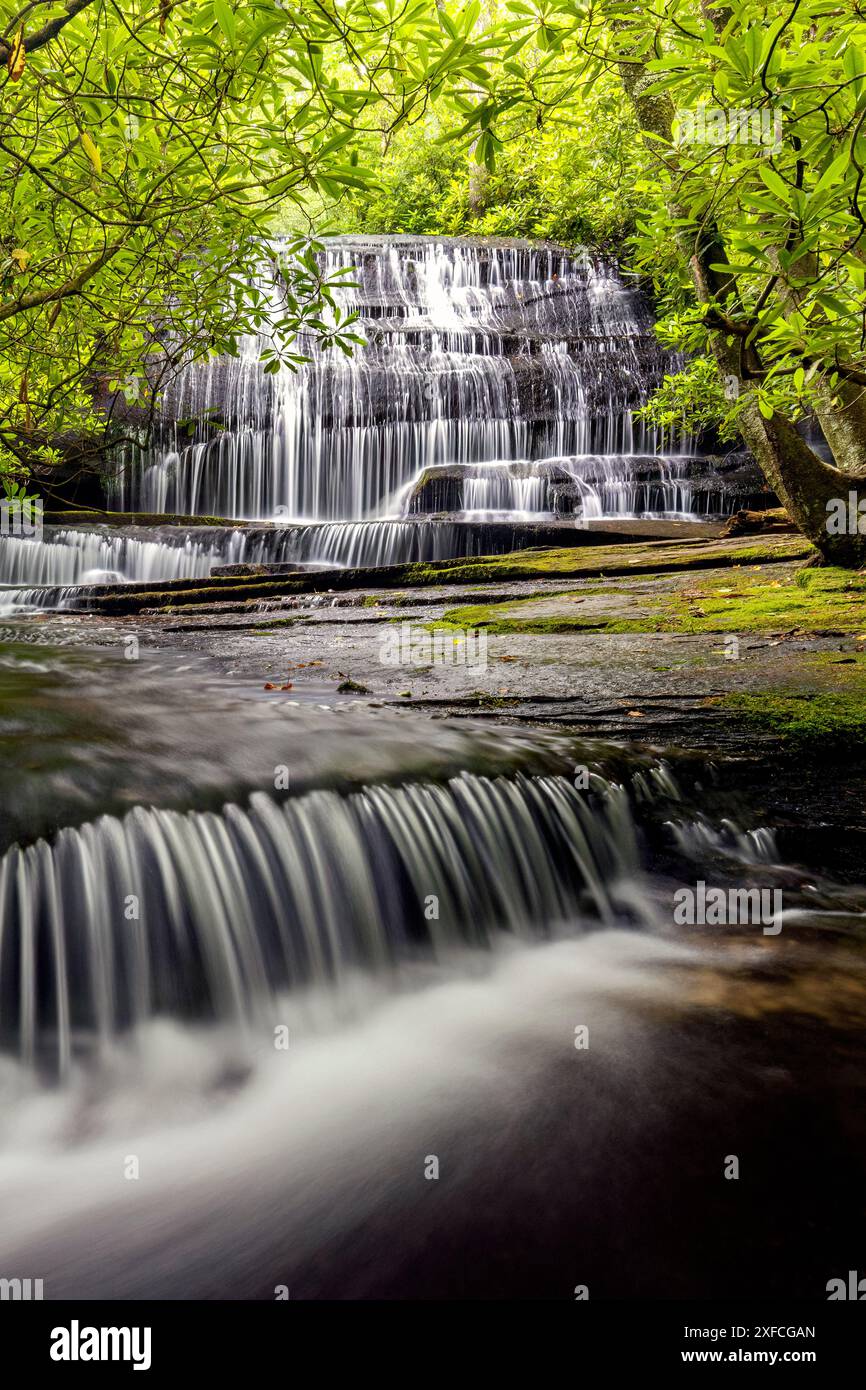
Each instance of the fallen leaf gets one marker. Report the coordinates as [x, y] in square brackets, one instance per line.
[635, 714]
[287, 686]
[269, 685]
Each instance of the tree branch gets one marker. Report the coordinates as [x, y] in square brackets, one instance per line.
[71, 287]
[48, 31]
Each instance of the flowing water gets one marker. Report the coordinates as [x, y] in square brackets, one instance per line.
[242, 1012]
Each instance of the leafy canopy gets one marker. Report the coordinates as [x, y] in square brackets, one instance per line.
[148, 150]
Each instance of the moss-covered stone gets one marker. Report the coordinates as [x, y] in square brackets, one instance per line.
[831, 719]
[814, 600]
[596, 563]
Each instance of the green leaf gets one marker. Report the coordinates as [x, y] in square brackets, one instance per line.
[226, 20]
[776, 184]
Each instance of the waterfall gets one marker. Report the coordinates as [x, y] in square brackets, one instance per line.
[68, 556]
[372, 543]
[209, 915]
[45, 574]
[494, 489]
[495, 382]
[623, 486]
[473, 353]
[588, 486]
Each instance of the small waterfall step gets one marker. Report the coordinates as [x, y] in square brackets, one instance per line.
[239, 906]
[687, 546]
[71, 562]
[75, 554]
[376, 545]
[594, 486]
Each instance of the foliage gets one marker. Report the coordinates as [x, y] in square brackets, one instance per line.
[148, 148]
[691, 401]
[151, 148]
[765, 160]
[572, 184]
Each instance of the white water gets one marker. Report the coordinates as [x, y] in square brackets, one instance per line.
[75, 556]
[518, 364]
[256, 1165]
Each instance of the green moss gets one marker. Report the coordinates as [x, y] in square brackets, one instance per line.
[830, 719]
[596, 561]
[834, 600]
[846, 666]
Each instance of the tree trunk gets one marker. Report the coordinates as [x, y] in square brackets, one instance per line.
[843, 425]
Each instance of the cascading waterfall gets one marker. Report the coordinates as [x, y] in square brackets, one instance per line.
[68, 556]
[496, 382]
[616, 486]
[592, 486]
[473, 353]
[517, 367]
[493, 489]
[46, 574]
[231, 909]
[370, 543]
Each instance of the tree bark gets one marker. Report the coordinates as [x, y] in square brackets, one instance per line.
[843, 425]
